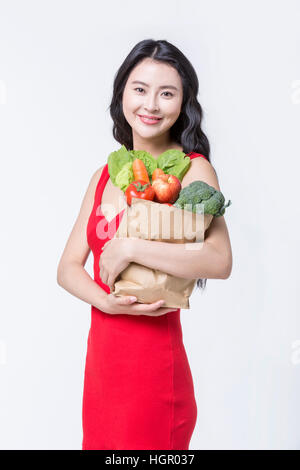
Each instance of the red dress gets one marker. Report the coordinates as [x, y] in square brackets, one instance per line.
[138, 387]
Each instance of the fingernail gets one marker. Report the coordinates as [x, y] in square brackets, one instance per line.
[162, 302]
[133, 299]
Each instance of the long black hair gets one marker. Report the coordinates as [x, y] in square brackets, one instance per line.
[186, 131]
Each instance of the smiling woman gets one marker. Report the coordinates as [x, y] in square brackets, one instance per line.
[154, 108]
[168, 93]
[138, 386]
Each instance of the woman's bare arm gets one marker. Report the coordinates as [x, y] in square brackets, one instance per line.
[214, 258]
[71, 274]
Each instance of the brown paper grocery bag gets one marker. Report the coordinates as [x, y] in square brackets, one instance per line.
[159, 222]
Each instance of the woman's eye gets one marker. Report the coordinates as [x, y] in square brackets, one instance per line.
[143, 90]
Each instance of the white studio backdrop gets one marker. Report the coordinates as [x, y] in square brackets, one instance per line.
[242, 336]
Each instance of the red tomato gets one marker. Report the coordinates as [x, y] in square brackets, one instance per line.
[140, 189]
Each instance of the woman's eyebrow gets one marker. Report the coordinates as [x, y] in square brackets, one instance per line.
[163, 86]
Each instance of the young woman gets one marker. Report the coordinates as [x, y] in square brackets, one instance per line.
[138, 386]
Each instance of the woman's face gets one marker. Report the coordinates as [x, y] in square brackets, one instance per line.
[157, 91]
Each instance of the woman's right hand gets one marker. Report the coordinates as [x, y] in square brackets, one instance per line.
[123, 304]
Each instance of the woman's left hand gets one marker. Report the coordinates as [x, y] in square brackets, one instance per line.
[115, 257]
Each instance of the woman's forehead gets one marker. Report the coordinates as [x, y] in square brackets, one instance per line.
[154, 73]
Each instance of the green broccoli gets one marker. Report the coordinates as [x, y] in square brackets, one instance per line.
[203, 198]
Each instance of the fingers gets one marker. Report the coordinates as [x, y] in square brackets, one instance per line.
[163, 311]
[148, 308]
[154, 306]
[111, 281]
[139, 306]
[125, 299]
[153, 309]
[129, 299]
[106, 277]
[159, 312]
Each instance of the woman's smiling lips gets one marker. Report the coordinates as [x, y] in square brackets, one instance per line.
[149, 120]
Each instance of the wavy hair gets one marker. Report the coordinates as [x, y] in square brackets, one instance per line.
[186, 131]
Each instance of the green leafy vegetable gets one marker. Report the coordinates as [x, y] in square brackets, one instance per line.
[174, 162]
[169, 158]
[116, 160]
[181, 168]
[198, 193]
[125, 176]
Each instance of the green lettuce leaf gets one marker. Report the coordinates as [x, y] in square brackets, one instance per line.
[116, 160]
[174, 162]
[181, 168]
[169, 159]
[125, 176]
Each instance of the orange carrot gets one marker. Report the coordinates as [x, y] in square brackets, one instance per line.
[157, 173]
[140, 171]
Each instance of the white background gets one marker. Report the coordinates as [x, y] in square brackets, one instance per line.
[242, 336]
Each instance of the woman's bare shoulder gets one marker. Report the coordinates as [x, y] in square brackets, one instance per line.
[95, 179]
[201, 169]
[77, 248]
[97, 174]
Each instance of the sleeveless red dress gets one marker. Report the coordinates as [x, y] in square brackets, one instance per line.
[138, 388]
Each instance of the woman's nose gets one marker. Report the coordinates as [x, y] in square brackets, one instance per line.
[150, 103]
